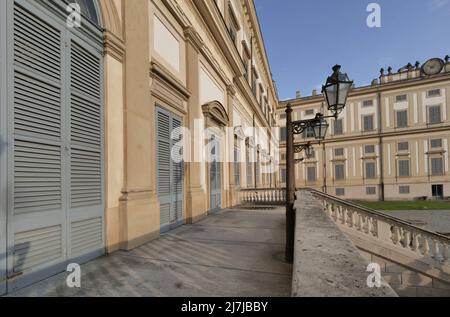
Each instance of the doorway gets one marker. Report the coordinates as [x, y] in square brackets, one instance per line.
[438, 191]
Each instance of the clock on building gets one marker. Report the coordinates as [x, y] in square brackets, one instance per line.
[433, 67]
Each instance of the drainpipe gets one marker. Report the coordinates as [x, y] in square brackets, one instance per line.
[380, 121]
[255, 152]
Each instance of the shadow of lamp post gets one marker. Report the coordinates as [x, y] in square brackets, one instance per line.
[336, 91]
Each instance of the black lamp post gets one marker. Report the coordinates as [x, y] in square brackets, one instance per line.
[336, 91]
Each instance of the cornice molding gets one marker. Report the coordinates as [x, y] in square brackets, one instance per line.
[193, 38]
[160, 72]
[386, 87]
[113, 46]
[377, 136]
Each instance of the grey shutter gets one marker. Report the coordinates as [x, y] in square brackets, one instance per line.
[163, 166]
[249, 168]
[85, 205]
[55, 159]
[170, 172]
[37, 232]
[237, 167]
[177, 176]
[258, 168]
[3, 140]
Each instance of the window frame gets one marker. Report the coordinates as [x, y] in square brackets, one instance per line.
[366, 173]
[399, 169]
[397, 125]
[429, 114]
[364, 117]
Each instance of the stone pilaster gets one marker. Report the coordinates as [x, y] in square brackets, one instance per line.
[231, 192]
[196, 207]
[139, 208]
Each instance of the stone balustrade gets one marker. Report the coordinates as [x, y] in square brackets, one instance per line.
[263, 196]
[398, 234]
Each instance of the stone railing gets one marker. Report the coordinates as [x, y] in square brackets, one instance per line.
[263, 196]
[398, 234]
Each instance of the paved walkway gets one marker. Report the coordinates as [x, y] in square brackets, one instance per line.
[236, 253]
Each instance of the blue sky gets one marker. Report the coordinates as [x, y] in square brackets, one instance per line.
[305, 38]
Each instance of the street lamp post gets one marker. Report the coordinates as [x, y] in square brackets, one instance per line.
[336, 92]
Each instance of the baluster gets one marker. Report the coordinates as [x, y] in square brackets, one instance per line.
[369, 225]
[355, 219]
[415, 242]
[406, 239]
[335, 212]
[445, 252]
[374, 227]
[330, 209]
[435, 249]
[396, 235]
[426, 247]
[345, 217]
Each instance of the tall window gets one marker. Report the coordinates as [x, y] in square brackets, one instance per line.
[261, 96]
[340, 191]
[339, 172]
[237, 164]
[311, 174]
[249, 167]
[254, 81]
[402, 119]
[258, 168]
[434, 114]
[338, 127]
[403, 168]
[283, 134]
[283, 175]
[437, 166]
[233, 25]
[368, 123]
[246, 60]
[370, 170]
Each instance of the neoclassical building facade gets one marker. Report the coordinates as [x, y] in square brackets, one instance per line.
[390, 143]
[88, 116]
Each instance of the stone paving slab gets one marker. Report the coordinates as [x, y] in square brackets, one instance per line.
[234, 253]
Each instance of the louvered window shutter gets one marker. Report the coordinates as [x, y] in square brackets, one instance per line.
[37, 201]
[85, 125]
